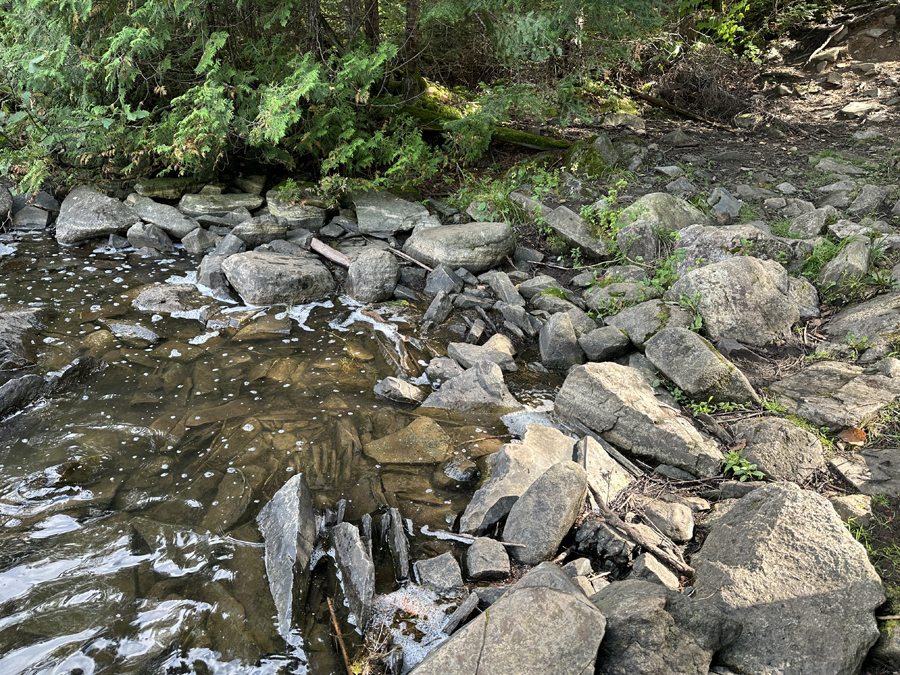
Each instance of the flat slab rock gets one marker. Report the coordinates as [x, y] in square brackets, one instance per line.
[839, 395]
[871, 471]
[475, 246]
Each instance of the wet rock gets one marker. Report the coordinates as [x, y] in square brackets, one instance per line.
[142, 235]
[399, 390]
[255, 233]
[231, 501]
[480, 387]
[618, 403]
[872, 471]
[651, 629]
[438, 310]
[18, 327]
[295, 216]
[558, 343]
[168, 218]
[382, 213]
[779, 449]
[288, 526]
[175, 299]
[195, 205]
[133, 335]
[357, 572]
[486, 560]
[422, 442]
[576, 232]
[86, 214]
[543, 624]
[461, 613]
[443, 278]
[498, 349]
[644, 320]
[693, 364]
[441, 573]
[19, 392]
[166, 188]
[373, 276]
[398, 544]
[781, 562]
[604, 344]
[211, 276]
[839, 395]
[265, 279]
[742, 298]
[30, 218]
[545, 512]
[476, 247]
[200, 240]
[851, 263]
[516, 467]
[442, 368]
[6, 205]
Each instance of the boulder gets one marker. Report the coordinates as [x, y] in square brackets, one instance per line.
[166, 188]
[516, 467]
[741, 298]
[874, 321]
[591, 158]
[255, 232]
[18, 328]
[779, 449]
[288, 526]
[576, 232]
[217, 205]
[172, 221]
[839, 395]
[849, 265]
[480, 387]
[558, 343]
[382, 213]
[373, 276]
[141, 235]
[604, 344]
[651, 629]
[487, 560]
[715, 244]
[476, 247]
[86, 213]
[295, 215]
[648, 568]
[695, 366]
[422, 442]
[441, 573]
[543, 624]
[641, 240]
[644, 320]
[179, 300]
[265, 279]
[493, 351]
[357, 572]
[665, 212]
[781, 562]
[618, 403]
[545, 512]
[200, 240]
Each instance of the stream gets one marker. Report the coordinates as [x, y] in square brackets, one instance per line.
[128, 505]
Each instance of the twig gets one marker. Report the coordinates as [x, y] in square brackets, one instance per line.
[681, 111]
[890, 617]
[486, 438]
[340, 639]
[404, 256]
[632, 532]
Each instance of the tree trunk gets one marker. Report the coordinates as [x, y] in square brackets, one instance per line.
[371, 23]
[410, 52]
[355, 19]
[313, 42]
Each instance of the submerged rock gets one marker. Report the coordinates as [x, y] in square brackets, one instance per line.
[422, 442]
[17, 327]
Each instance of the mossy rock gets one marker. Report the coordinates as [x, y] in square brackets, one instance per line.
[591, 158]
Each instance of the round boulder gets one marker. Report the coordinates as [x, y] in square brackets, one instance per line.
[373, 276]
[475, 246]
[266, 279]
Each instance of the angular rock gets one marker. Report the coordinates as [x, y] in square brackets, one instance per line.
[229, 245]
[722, 201]
[742, 298]
[665, 211]
[810, 224]
[357, 572]
[872, 471]
[851, 263]
[614, 298]
[399, 390]
[443, 278]
[288, 526]
[18, 328]
[779, 449]
[674, 520]
[869, 199]
[254, 233]
[516, 467]
[166, 188]
[217, 205]
[86, 213]
[648, 568]
[383, 213]
[644, 320]
[175, 299]
[476, 247]
[441, 573]
[141, 235]
[504, 289]
[19, 392]
[373, 276]
[605, 475]
[442, 368]
[641, 241]
[481, 387]
[652, 630]
[200, 240]
[693, 364]
[467, 355]
[422, 442]
[295, 216]
[715, 244]
[838, 395]
[781, 562]
[591, 158]
[168, 218]
[618, 403]
[543, 624]
[437, 311]
[265, 279]
[604, 344]
[576, 232]
[545, 512]
[558, 343]
[874, 321]
[803, 294]
[6, 205]
[487, 560]
[133, 335]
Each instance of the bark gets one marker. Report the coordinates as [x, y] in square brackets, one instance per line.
[371, 23]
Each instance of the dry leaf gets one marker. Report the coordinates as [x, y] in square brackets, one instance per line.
[853, 436]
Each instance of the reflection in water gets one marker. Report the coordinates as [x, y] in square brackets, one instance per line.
[128, 505]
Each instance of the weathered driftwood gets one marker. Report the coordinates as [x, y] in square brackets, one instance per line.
[332, 254]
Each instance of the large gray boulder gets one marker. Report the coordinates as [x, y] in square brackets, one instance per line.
[558, 343]
[644, 320]
[475, 246]
[664, 212]
[265, 279]
[742, 298]
[288, 526]
[373, 276]
[351, 555]
[172, 221]
[498, 349]
[715, 244]
[179, 300]
[781, 562]
[86, 213]
[779, 449]
[848, 266]
[382, 213]
[480, 387]
[693, 364]
[257, 232]
[217, 205]
[543, 515]
[543, 624]
[618, 403]
[651, 630]
[295, 215]
[839, 395]
[516, 467]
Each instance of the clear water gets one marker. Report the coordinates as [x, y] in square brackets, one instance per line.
[127, 506]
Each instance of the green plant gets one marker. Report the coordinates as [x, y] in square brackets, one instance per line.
[771, 404]
[555, 292]
[855, 343]
[740, 467]
[692, 305]
[666, 273]
[823, 253]
[880, 499]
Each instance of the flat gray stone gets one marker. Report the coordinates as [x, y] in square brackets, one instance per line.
[480, 387]
[166, 188]
[265, 279]
[384, 213]
[476, 247]
[781, 450]
[576, 232]
[441, 573]
[217, 205]
[487, 560]
[872, 471]
[170, 219]
[141, 235]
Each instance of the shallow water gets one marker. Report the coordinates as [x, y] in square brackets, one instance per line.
[127, 506]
